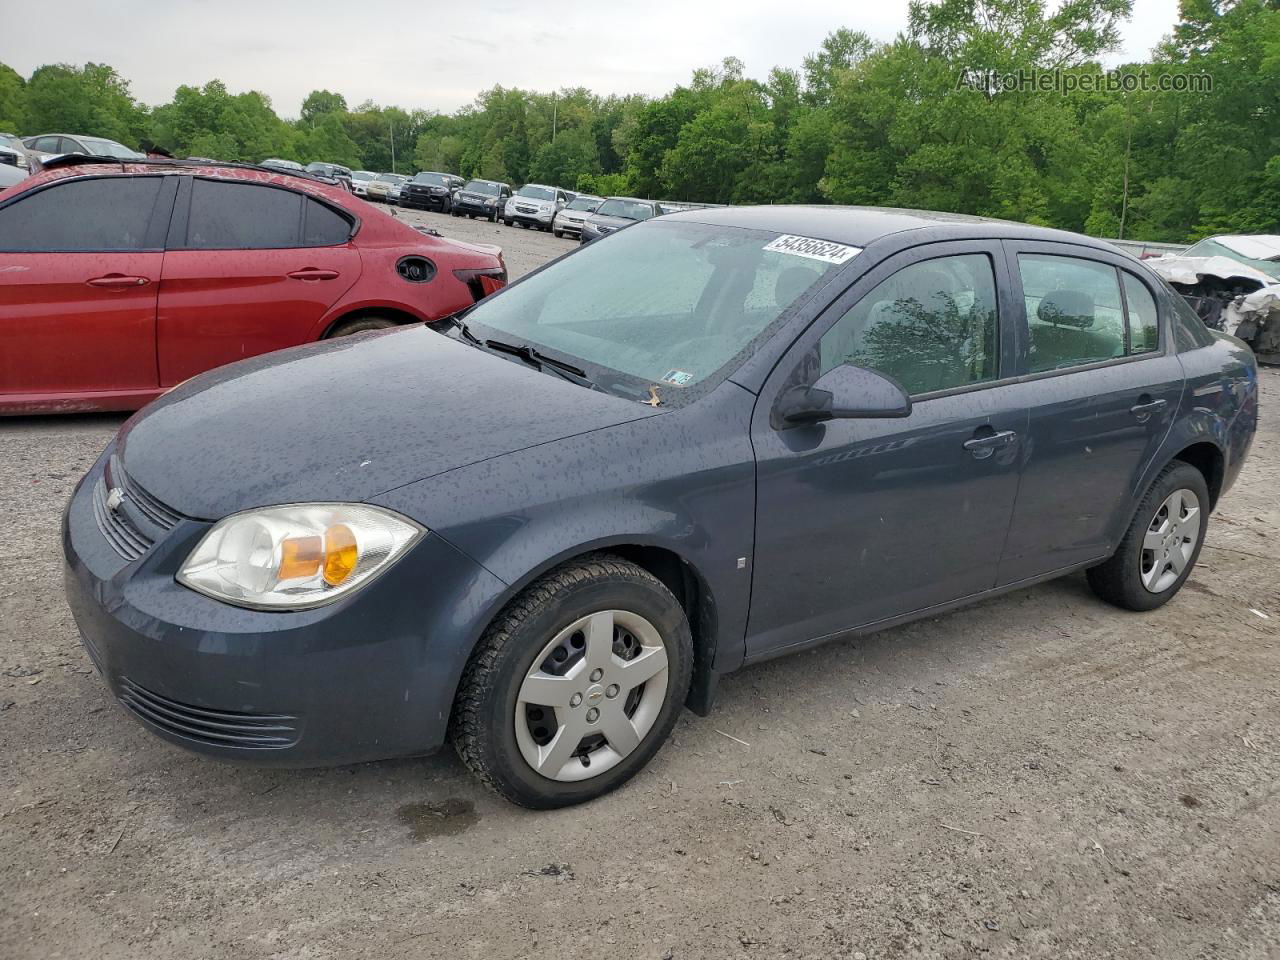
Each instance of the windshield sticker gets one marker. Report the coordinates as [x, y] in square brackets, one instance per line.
[677, 377]
[823, 250]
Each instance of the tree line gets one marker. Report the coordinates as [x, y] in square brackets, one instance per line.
[978, 106]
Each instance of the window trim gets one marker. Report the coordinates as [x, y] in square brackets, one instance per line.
[177, 233]
[1013, 248]
[157, 224]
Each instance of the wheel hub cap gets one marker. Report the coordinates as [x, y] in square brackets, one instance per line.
[591, 696]
[1170, 541]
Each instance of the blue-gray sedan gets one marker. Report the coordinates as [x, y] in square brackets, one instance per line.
[543, 527]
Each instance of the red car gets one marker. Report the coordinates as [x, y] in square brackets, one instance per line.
[118, 281]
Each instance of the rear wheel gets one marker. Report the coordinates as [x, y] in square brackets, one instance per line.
[360, 325]
[1162, 544]
[576, 685]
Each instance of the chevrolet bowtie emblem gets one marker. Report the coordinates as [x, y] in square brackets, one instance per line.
[115, 497]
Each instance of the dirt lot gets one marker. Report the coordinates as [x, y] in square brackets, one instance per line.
[1038, 775]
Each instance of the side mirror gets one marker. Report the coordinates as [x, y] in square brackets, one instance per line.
[845, 393]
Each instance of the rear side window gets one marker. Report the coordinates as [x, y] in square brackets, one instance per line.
[239, 216]
[1076, 316]
[323, 227]
[101, 214]
[1144, 328]
[931, 326]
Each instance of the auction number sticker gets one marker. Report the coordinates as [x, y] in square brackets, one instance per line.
[678, 378]
[823, 250]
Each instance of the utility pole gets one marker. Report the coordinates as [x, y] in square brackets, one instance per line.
[392, 128]
[555, 104]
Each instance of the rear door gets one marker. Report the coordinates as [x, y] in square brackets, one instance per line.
[80, 266]
[248, 268]
[1102, 384]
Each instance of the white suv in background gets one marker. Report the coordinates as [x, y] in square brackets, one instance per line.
[534, 205]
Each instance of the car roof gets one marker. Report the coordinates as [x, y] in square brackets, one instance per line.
[72, 164]
[1258, 246]
[859, 226]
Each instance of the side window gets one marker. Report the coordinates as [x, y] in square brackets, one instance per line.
[1144, 329]
[324, 227]
[47, 145]
[99, 214]
[931, 326]
[1073, 311]
[228, 215]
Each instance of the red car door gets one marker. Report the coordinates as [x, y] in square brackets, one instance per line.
[80, 263]
[248, 268]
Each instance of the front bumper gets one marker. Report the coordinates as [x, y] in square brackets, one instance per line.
[367, 677]
[539, 219]
[573, 227]
[466, 206]
[424, 201]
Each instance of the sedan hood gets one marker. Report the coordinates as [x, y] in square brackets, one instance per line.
[347, 419]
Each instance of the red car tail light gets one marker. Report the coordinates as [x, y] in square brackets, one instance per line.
[484, 281]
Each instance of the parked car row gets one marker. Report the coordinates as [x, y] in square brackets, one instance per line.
[122, 280]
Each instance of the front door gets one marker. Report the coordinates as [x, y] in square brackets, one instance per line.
[80, 265]
[861, 521]
[249, 268]
[1102, 387]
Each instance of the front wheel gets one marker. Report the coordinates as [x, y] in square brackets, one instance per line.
[1162, 544]
[576, 685]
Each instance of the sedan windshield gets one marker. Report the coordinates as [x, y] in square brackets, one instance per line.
[391, 178]
[109, 148]
[487, 187]
[432, 179]
[626, 209]
[666, 304]
[584, 203]
[361, 175]
[536, 193]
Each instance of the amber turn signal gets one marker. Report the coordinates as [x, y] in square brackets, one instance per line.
[340, 554]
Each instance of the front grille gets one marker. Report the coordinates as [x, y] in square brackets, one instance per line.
[9, 158]
[219, 728]
[147, 505]
[126, 539]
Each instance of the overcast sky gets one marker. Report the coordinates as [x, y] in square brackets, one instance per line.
[438, 56]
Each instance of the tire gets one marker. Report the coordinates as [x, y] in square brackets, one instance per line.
[360, 325]
[1129, 579]
[637, 616]
[508, 223]
[493, 217]
[557, 233]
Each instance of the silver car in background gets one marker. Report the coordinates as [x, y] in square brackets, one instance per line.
[13, 152]
[360, 180]
[569, 220]
[534, 205]
[616, 213]
[45, 146]
[379, 188]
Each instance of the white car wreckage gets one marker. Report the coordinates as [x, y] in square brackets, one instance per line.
[1234, 288]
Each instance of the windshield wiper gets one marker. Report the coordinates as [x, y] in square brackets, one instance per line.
[456, 320]
[536, 358]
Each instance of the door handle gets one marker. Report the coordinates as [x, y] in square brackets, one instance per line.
[117, 281]
[1145, 407]
[983, 443]
[313, 273]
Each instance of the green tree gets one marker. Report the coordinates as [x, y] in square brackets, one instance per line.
[13, 95]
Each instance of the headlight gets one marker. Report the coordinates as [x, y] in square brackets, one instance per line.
[298, 556]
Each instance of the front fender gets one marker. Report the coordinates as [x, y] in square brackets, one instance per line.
[683, 482]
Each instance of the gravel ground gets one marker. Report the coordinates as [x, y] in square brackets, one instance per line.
[1035, 776]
